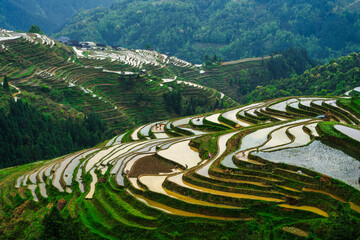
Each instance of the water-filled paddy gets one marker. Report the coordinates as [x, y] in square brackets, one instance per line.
[321, 158]
[213, 118]
[259, 137]
[281, 106]
[348, 131]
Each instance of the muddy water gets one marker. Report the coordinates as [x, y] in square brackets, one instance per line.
[233, 195]
[241, 181]
[154, 183]
[178, 180]
[352, 205]
[197, 202]
[323, 192]
[175, 211]
[355, 207]
[289, 188]
[134, 182]
[306, 208]
[182, 154]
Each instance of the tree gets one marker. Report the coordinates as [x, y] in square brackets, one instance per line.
[6, 84]
[147, 46]
[57, 227]
[52, 224]
[35, 29]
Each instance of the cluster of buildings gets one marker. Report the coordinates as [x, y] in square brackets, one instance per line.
[85, 45]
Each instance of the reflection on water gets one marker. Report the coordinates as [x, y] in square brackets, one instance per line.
[350, 132]
[321, 158]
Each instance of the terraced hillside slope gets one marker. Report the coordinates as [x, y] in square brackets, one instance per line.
[264, 170]
[91, 80]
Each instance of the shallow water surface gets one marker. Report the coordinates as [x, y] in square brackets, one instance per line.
[321, 158]
[348, 131]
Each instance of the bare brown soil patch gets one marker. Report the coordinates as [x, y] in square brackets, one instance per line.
[150, 165]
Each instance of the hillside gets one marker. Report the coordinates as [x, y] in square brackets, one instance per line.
[58, 83]
[224, 174]
[50, 15]
[239, 78]
[90, 81]
[331, 79]
[230, 29]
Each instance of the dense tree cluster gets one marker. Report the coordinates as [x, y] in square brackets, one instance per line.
[35, 29]
[333, 78]
[54, 226]
[231, 29]
[5, 84]
[26, 134]
[48, 15]
[184, 106]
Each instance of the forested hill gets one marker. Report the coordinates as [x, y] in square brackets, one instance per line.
[231, 29]
[49, 14]
[330, 79]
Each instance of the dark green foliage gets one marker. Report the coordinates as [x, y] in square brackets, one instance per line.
[211, 61]
[49, 15]
[28, 135]
[35, 29]
[339, 226]
[174, 100]
[238, 78]
[230, 29]
[57, 227]
[292, 61]
[6, 84]
[333, 79]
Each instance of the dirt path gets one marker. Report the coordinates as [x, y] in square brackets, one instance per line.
[249, 60]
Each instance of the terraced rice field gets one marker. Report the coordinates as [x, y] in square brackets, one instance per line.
[348, 131]
[273, 164]
[320, 158]
[90, 81]
[263, 159]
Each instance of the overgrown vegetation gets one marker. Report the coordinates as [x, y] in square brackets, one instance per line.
[331, 79]
[28, 135]
[239, 78]
[229, 29]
